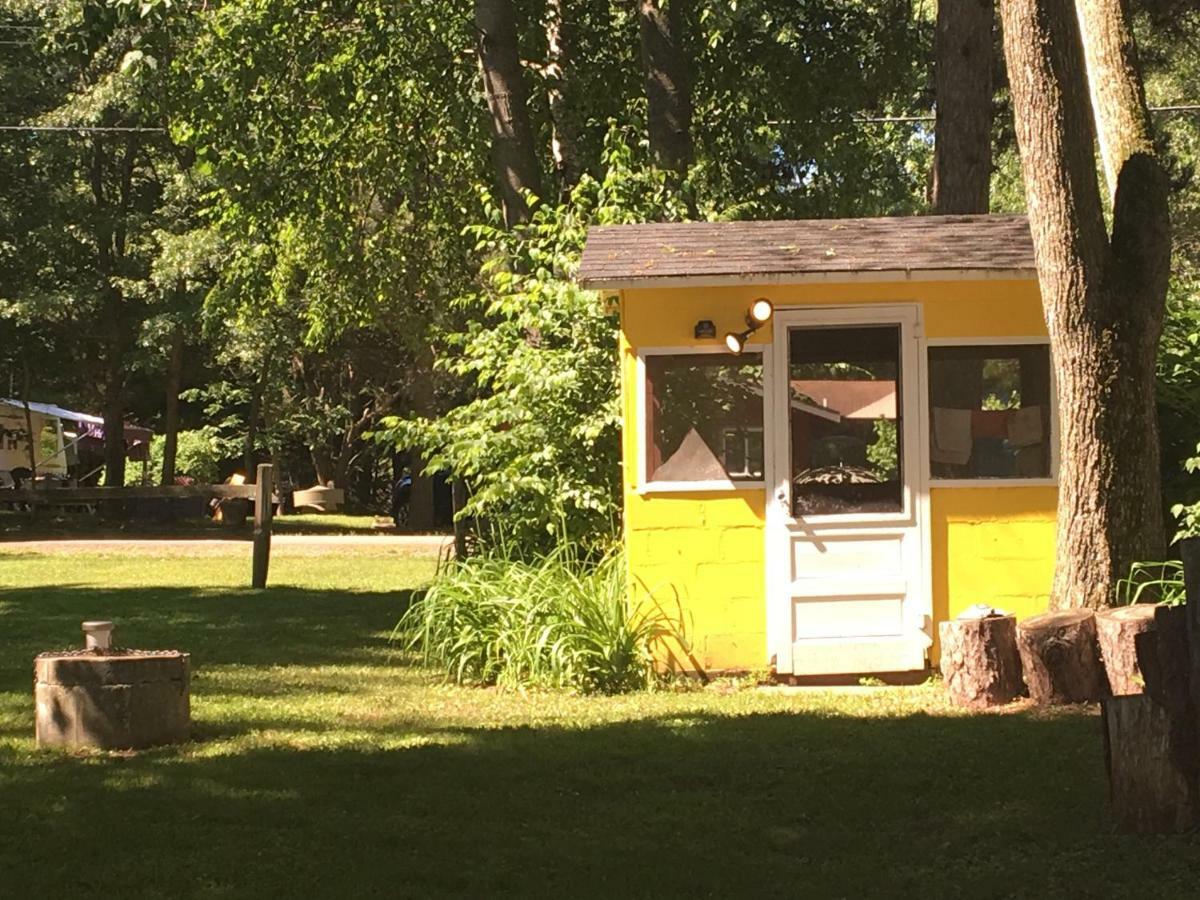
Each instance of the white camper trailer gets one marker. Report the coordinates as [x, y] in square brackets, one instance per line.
[49, 451]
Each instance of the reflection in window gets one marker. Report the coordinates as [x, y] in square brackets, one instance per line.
[704, 417]
[845, 420]
[989, 411]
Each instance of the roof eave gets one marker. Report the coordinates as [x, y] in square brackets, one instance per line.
[609, 283]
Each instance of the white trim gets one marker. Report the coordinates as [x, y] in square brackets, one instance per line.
[641, 438]
[939, 483]
[914, 519]
[856, 276]
[987, 341]
[679, 487]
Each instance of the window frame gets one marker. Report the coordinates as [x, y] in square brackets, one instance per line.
[936, 483]
[642, 436]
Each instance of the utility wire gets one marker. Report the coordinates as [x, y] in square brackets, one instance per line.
[86, 129]
[103, 129]
[1181, 108]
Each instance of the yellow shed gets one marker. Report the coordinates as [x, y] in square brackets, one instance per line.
[823, 477]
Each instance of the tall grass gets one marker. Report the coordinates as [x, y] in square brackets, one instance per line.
[1152, 582]
[556, 620]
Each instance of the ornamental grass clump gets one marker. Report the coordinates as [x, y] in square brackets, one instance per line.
[551, 621]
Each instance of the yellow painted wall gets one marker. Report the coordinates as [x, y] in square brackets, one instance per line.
[994, 546]
[990, 545]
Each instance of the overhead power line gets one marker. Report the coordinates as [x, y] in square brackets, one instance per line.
[87, 129]
[1180, 108]
[132, 129]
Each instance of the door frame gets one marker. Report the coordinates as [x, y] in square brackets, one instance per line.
[777, 465]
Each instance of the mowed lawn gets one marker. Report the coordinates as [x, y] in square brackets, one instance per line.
[325, 764]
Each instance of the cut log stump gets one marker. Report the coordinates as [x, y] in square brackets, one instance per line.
[1117, 633]
[980, 662]
[1151, 757]
[1060, 657]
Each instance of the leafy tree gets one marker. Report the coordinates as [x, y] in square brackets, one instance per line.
[538, 441]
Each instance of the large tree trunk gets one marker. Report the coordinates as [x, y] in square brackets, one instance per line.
[668, 88]
[420, 504]
[564, 141]
[513, 152]
[962, 150]
[252, 417]
[1103, 298]
[171, 425]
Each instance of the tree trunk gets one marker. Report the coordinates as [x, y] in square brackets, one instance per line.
[1104, 299]
[564, 140]
[252, 417]
[322, 462]
[668, 88]
[1060, 657]
[1151, 759]
[420, 501]
[514, 156]
[1117, 633]
[420, 504]
[114, 417]
[171, 425]
[980, 662]
[962, 150]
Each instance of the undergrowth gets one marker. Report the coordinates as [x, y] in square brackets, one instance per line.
[554, 620]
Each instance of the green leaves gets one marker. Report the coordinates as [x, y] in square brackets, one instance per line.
[550, 621]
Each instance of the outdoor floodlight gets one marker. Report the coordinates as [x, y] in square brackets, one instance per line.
[759, 313]
[736, 341]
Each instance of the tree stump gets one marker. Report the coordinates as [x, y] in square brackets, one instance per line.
[980, 662]
[1060, 657]
[1151, 759]
[1117, 633]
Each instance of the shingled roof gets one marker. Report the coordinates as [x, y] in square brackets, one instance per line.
[714, 253]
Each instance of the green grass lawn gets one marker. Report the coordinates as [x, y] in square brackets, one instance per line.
[325, 765]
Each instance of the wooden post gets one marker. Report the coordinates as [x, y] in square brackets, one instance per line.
[262, 524]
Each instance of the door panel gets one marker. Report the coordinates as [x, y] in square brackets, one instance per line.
[847, 555]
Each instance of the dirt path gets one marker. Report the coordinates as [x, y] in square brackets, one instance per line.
[285, 544]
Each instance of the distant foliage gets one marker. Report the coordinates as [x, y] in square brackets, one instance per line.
[198, 455]
[554, 621]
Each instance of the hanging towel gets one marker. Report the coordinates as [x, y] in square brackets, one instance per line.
[952, 441]
[1025, 426]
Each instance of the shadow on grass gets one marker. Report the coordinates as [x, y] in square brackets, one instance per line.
[693, 804]
[218, 626]
[798, 804]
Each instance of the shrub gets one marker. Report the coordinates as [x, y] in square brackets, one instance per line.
[538, 441]
[552, 621]
[197, 454]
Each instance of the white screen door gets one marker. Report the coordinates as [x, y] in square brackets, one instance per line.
[846, 587]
